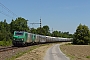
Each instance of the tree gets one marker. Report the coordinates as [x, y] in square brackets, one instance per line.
[33, 31]
[12, 26]
[43, 30]
[55, 34]
[4, 31]
[46, 30]
[20, 24]
[40, 31]
[81, 36]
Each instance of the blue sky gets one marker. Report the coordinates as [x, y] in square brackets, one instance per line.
[61, 15]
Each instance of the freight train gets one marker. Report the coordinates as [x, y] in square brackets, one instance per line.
[24, 38]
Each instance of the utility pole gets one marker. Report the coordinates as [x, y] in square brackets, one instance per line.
[52, 29]
[38, 23]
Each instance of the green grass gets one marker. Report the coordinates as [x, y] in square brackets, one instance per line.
[70, 56]
[68, 44]
[88, 57]
[1, 43]
[5, 43]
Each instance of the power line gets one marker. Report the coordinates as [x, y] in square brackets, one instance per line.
[8, 10]
[5, 14]
[37, 23]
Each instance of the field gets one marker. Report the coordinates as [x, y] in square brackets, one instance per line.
[76, 52]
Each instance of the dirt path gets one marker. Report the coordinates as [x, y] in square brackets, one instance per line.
[54, 53]
[36, 54]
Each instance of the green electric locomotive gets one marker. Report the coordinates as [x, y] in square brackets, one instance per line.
[23, 38]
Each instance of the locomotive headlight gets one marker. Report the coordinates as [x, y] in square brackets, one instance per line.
[22, 39]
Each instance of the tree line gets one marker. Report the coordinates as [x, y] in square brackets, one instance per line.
[20, 24]
[81, 36]
[45, 30]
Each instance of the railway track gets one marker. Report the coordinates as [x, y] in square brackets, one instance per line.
[3, 49]
[7, 48]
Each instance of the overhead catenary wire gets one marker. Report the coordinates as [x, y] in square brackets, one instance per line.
[5, 14]
[8, 10]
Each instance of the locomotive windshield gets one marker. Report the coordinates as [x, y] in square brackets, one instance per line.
[18, 33]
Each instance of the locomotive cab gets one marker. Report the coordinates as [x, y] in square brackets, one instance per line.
[19, 38]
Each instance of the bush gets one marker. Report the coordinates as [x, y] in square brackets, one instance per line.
[6, 43]
[82, 35]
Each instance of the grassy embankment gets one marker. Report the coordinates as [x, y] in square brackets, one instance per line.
[27, 51]
[5, 43]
